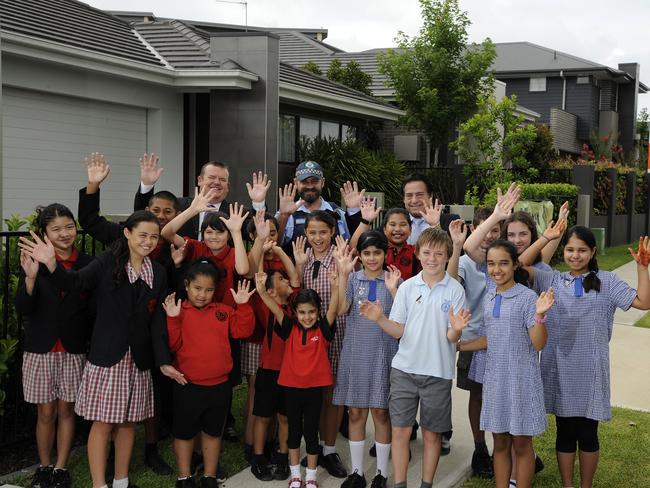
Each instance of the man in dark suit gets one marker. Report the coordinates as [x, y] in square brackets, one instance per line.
[418, 200]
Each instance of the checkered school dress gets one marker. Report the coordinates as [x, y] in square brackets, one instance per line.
[575, 361]
[52, 376]
[316, 277]
[512, 386]
[363, 379]
[122, 392]
[250, 357]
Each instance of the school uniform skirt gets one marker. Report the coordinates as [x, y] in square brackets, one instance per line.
[52, 376]
[116, 394]
[250, 357]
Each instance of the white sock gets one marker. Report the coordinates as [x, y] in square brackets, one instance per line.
[123, 483]
[357, 449]
[513, 483]
[327, 450]
[311, 474]
[383, 454]
[104, 486]
[295, 471]
[321, 443]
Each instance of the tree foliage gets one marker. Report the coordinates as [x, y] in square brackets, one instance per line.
[350, 75]
[436, 75]
[313, 68]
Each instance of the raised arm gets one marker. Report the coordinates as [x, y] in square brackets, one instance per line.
[549, 251]
[553, 232]
[345, 265]
[503, 208]
[256, 254]
[369, 213]
[289, 267]
[458, 232]
[274, 308]
[538, 333]
[642, 258]
[234, 223]
[198, 205]
[333, 309]
[288, 205]
[300, 255]
[150, 172]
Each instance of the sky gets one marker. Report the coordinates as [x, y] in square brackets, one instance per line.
[605, 32]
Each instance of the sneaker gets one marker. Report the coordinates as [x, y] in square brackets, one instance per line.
[155, 462]
[42, 477]
[186, 483]
[539, 465]
[196, 464]
[482, 464]
[379, 481]
[355, 480]
[334, 466]
[261, 471]
[61, 478]
[295, 483]
[311, 484]
[445, 446]
[281, 469]
[209, 482]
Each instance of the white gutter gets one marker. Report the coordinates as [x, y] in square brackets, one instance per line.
[337, 102]
[52, 52]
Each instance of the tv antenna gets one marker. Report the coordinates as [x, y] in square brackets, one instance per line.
[236, 2]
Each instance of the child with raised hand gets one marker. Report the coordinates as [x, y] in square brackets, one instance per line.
[423, 367]
[55, 344]
[315, 265]
[269, 398]
[369, 212]
[401, 254]
[305, 370]
[128, 339]
[363, 380]
[216, 230]
[513, 405]
[199, 336]
[575, 362]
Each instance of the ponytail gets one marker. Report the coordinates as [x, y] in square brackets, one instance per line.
[120, 248]
[591, 282]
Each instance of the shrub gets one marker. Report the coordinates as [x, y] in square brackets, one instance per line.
[349, 160]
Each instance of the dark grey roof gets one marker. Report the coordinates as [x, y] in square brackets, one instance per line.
[526, 56]
[75, 24]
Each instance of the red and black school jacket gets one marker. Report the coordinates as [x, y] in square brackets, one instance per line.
[129, 315]
[305, 363]
[200, 339]
[404, 259]
[54, 315]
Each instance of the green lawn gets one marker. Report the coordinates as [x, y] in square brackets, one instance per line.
[624, 454]
[643, 321]
[612, 258]
[232, 457]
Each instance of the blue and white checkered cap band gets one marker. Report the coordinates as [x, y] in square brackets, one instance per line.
[303, 174]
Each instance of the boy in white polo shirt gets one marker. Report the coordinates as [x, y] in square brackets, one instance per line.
[423, 367]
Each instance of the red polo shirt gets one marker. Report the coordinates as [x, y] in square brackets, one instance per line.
[224, 260]
[404, 259]
[200, 340]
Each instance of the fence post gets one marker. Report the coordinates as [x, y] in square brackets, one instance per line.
[630, 185]
[460, 186]
[611, 211]
[583, 176]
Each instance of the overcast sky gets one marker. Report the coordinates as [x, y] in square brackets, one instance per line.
[605, 32]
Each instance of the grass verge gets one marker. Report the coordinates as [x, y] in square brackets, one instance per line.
[624, 454]
[643, 321]
[232, 456]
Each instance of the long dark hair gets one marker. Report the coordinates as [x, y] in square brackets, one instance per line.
[527, 220]
[591, 282]
[47, 213]
[120, 248]
[520, 275]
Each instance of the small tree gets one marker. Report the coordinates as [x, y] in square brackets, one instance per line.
[351, 75]
[437, 76]
[313, 67]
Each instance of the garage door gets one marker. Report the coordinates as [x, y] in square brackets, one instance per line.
[45, 138]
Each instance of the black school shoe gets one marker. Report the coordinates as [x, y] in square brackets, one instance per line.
[281, 469]
[196, 464]
[539, 465]
[355, 480]
[186, 483]
[42, 477]
[334, 466]
[155, 462]
[61, 478]
[482, 464]
[261, 469]
[379, 481]
[209, 482]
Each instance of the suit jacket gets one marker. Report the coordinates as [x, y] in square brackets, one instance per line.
[446, 219]
[54, 315]
[191, 227]
[128, 315]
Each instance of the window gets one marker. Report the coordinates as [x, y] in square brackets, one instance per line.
[329, 130]
[287, 142]
[309, 128]
[537, 84]
[348, 132]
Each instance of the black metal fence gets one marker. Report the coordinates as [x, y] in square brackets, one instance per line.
[17, 422]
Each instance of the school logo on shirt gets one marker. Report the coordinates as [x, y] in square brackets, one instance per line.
[445, 306]
[221, 315]
[314, 339]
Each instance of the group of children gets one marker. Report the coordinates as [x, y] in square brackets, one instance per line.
[372, 325]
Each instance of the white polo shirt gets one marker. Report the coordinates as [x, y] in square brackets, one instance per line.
[424, 348]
